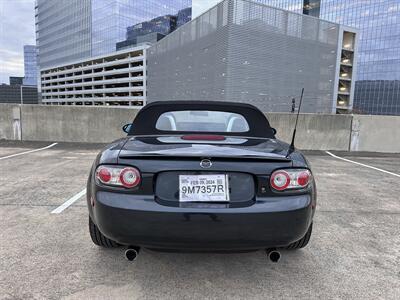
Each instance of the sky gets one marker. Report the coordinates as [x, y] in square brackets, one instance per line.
[17, 28]
[200, 6]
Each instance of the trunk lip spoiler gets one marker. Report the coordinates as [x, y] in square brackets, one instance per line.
[138, 155]
[132, 137]
[236, 157]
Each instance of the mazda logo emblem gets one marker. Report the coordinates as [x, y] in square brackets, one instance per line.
[205, 163]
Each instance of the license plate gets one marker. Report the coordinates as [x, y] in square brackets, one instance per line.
[203, 188]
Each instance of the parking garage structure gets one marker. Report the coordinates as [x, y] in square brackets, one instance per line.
[117, 79]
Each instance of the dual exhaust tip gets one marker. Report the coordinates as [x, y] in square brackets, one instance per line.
[132, 253]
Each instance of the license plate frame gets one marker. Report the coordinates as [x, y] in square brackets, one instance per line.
[204, 188]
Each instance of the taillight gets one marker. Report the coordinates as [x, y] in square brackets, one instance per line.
[280, 180]
[128, 177]
[290, 179]
[104, 175]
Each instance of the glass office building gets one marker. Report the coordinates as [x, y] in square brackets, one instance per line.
[163, 25]
[155, 29]
[68, 31]
[16, 80]
[63, 31]
[378, 78]
[30, 65]
[183, 16]
[111, 18]
[377, 89]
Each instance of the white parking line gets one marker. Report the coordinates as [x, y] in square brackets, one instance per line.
[30, 151]
[360, 164]
[69, 202]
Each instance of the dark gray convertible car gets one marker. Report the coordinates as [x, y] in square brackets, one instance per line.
[200, 176]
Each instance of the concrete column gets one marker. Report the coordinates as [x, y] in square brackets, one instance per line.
[17, 129]
[355, 134]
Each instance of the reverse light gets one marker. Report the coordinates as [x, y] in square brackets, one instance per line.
[290, 179]
[127, 177]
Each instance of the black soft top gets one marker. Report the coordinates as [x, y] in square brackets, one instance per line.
[146, 119]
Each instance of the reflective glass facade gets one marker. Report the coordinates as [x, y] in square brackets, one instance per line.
[71, 30]
[151, 31]
[163, 25]
[30, 65]
[183, 16]
[63, 31]
[378, 75]
[111, 18]
[15, 80]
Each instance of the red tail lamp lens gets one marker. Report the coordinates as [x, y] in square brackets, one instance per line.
[129, 177]
[104, 175]
[280, 180]
[303, 178]
[112, 175]
[290, 179]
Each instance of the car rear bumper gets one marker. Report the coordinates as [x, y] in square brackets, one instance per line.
[139, 220]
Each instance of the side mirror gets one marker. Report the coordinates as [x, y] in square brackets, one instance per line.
[127, 127]
[273, 130]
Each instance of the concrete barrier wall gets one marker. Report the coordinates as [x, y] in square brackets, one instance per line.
[74, 123]
[102, 125]
[314, 131]
[375, 134]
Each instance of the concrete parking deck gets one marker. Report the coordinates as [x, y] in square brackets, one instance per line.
[354, 251]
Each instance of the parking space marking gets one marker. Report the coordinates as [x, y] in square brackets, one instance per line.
[69, 202]
[364, 165]
[27, 152]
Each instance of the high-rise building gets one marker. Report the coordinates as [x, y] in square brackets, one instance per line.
[19, 94]
[155, 29]
[245, 51]
[30, 65]
[63, 31]
[16, 80]
[377, 87]
[76, 33]
[67, 31]
[111, 18]
[183, 16]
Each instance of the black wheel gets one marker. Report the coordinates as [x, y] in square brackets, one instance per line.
[303, 241]
[98, 238]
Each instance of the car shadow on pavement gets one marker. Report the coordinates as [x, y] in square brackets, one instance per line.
[194, 275]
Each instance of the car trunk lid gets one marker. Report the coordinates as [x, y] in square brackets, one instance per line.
[170, 147]
[246, 163]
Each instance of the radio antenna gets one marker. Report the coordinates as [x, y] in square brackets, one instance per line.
[291, 147]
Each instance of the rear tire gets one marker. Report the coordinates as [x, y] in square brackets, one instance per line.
[98, 238]
[302, 242]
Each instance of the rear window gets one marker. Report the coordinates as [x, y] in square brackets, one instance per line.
[202, 121]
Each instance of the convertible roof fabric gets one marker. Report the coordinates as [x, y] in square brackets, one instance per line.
[146, 119]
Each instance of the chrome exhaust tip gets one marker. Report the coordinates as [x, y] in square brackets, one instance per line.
[132, 253]
[273, 255]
